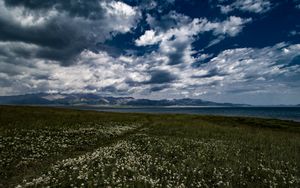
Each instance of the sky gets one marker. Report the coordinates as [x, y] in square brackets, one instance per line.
[240, 51]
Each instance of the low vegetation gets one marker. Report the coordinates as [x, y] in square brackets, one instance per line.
[54, 147]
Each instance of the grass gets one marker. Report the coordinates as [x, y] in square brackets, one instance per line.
[54, 147]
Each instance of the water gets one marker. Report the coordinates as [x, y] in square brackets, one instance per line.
[286, 113]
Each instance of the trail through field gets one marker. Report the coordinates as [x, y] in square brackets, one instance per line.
[89, 164]
[26, 150]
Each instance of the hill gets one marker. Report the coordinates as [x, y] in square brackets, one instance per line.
[94, 99]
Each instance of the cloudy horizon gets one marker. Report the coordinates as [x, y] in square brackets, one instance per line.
[239, 51]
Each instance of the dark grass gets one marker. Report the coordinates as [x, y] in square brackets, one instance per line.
[256, 138]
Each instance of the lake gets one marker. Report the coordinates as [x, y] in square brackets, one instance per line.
[286, 113]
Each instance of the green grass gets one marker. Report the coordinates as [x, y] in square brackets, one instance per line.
[55, 147]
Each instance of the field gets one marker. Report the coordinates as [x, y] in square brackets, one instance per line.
[54, 147]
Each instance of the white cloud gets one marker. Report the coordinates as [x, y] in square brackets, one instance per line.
[148, 38]
[98, 70]
[176, 41]
[120, 16]
[294, 33]
[251, 68]
[231, 26]
[240, 70]
[255, 6]
[118, 8]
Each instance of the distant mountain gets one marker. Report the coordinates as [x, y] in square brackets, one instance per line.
[94, 99]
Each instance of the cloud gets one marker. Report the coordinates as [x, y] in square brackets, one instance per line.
[90, 9]
[297, 4]
[167, 21]
[239, 70]
[160, 76]
[231, 26]
[176, 41]
[148, 38]
[159, 88]
[145, 49]
[118, 8]
[294, 33]
[62, 31]
[253, 69]
[255, 6]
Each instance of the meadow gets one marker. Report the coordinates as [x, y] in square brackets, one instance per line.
[43, 146]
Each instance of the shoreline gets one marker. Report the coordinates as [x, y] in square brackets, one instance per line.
[134, 110]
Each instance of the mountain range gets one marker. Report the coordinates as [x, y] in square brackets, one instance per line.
[95, 99]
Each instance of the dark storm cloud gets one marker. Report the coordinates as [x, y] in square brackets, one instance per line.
[59, 38]
[211, 73]
[160, 76]
[159, 88]
[50, 35]
[89, 9]
[157, 78]
[110, 90]
[56, 42]
[67, 28]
